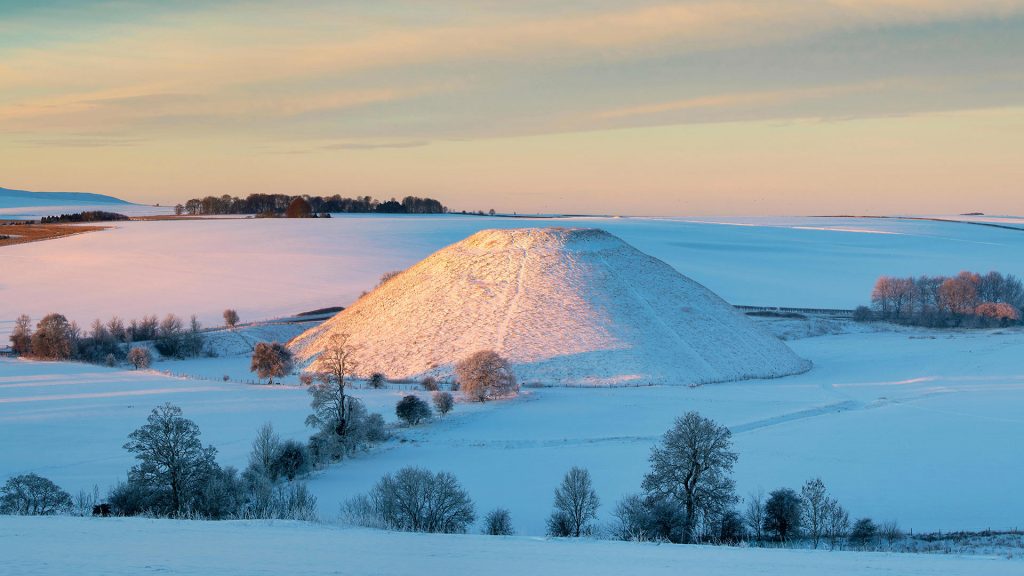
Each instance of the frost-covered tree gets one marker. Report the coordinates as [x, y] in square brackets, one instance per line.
[173, 465]
[270, 359]
[429, 384]
[33, 495]
[415, 500]
[782, 514]
[265, 449]
[336, 365]
[21, 336]
[443, 402]
[484, 375]
[54, 338]
[890, 530]
[814, 506]
[139, 357]
[691, 470]
[575, 505]
[170, 336]
[412, 410]
[498, 522]
[230, 318]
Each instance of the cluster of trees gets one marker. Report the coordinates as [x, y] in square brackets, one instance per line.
[280, 203]
[89, 216]
[968, 299]
[55, 338]
[176, 476]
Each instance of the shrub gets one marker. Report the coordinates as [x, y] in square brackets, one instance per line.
[33, 495]
[443, 402]
[485, 375]
[139, 357]
[731, 529]
[376, 430]
[412, 410]
[377, 380]
[291, 460]
[498, 522]
[414, 500]
[298, 208]
[429, 384]
[863, 314]
[864, 533]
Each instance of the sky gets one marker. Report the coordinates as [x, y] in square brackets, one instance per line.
[633, 107]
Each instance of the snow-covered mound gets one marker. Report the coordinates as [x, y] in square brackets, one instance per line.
[566, 306]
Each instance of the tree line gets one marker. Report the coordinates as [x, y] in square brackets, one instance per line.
[88, 216]
[110, 343]
[279, 203]
[968, 299]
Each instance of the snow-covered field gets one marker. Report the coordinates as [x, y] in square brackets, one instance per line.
[273, 267]
[912, 425]
[116, 546]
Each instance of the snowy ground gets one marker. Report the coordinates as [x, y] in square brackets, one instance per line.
[272, 267]
[114, 546]
[912, 425]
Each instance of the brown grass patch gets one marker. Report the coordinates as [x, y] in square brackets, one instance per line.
[17, 232]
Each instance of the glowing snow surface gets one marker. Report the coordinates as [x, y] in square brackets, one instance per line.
[565, 306]
[273, 267]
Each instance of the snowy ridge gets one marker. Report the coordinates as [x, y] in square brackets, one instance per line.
[566, 306]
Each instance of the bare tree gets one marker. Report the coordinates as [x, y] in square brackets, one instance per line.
[485, 375]
[270, 359]
[21, 336]
[33, 495]
[443, 402]
[837, 523]
[230, 318]
[331, 407]
[173, 464]
[416, 500]
[576, 505]
[54, 338]
[754, 514]
[813, 505]
[890, 530]
[140, 357]
[498, 522]
[691, 468]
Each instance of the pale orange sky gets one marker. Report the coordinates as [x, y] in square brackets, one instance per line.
[630, 107]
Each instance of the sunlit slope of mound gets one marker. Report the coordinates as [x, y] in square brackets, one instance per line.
[566, 306]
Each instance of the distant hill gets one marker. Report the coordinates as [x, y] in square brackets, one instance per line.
[25, 204]
[16, 198]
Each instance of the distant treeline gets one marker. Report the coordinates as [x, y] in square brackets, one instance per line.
[968, 299]
[278, 204]
[92, 216]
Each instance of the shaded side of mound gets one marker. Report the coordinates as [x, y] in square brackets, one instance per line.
[566, 306]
